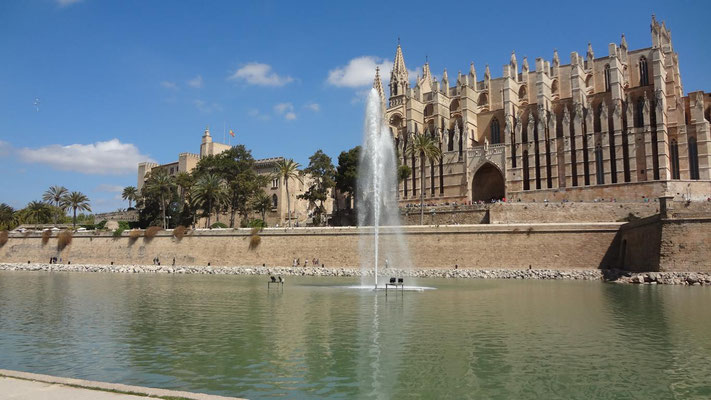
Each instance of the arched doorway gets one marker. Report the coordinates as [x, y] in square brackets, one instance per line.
[488, 184]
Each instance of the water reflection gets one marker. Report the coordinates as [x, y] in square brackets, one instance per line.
[467, 339]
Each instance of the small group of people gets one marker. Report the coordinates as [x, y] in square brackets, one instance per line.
[53, 260]
[277, 279]
[156, 261]
[315, 262]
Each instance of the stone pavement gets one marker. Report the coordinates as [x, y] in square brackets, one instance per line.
[16, 385]
[20, 389]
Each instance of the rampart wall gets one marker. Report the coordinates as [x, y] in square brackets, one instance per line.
[561, 246]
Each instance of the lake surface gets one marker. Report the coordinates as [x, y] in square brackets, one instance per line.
[491, 339]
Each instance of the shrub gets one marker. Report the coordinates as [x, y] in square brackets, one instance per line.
[100, 225]
[117, 233]
[257, 223]
[218, 225]
[123, 225]
[64, 239]
[254, 238]
[46, 234]
[152, 231]
[134, 234]
[3, 238]
[179, 232]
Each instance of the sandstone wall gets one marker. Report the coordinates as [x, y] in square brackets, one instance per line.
[685, 245]
[563, 246]
[639, 245]
[507, 213]
[629, 191]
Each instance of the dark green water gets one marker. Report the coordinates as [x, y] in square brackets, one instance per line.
[481, 339]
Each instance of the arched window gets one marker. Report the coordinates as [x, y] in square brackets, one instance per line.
[429, 110]
[674, 150]
[483, 100]
[597, 124]
[554, 89]
[600, 168]
[639, 120]
[693, 158]
[522, 96]
[275, 201]
[454, 105]
[643, 74]
[495, 134]
[607, 77]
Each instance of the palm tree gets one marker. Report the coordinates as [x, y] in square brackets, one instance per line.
[36, 212]
[161, 184]
[184, 181]
[76, 201]
[54, 195]
[288, 169]
[8, 217]
[130, 193]
[426, 147]
[261, 203]
[209, 192]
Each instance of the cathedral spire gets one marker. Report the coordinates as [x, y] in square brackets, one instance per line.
[378, 85]
[591, 54]
[399, 69]
[556, 59]
[623, 42]
[399, 79]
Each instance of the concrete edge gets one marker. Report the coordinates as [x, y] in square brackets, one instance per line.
[94, 385]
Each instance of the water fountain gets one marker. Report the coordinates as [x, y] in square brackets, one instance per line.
[377, 196]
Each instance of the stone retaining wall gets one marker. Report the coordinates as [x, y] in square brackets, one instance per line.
[540, 246]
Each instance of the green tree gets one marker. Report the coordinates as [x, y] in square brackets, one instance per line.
[8, 217]
[130, 193]
[76, 201]
[323, 174]
[262, 203]
[36, 212]
[208, 192]
[236, 168]
[54, 195]
[160, 186]
[347, 171]
[426, 148]
[288, 169]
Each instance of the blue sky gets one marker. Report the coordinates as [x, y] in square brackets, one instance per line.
[123, 81]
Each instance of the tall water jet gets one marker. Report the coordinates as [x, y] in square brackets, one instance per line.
[376, 197]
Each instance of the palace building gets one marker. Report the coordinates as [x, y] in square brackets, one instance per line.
[610, 127]
[301, 210]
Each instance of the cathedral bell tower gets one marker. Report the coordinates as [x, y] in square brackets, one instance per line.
[399, 80]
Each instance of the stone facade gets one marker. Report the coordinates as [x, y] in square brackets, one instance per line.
[616, 126]
[556, 246]
[301, 210]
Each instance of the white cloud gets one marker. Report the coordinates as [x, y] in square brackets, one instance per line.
[4, 148]
[102, 158]
[281, 108]
[196, 82]
[104, 187]
[313, 107]
[206, 107]
[169, 85]
[360, 71]
[65, 3]
[285, 109]
[260, 74]
[253, 112]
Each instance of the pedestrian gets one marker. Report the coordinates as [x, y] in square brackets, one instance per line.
[173, 261]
